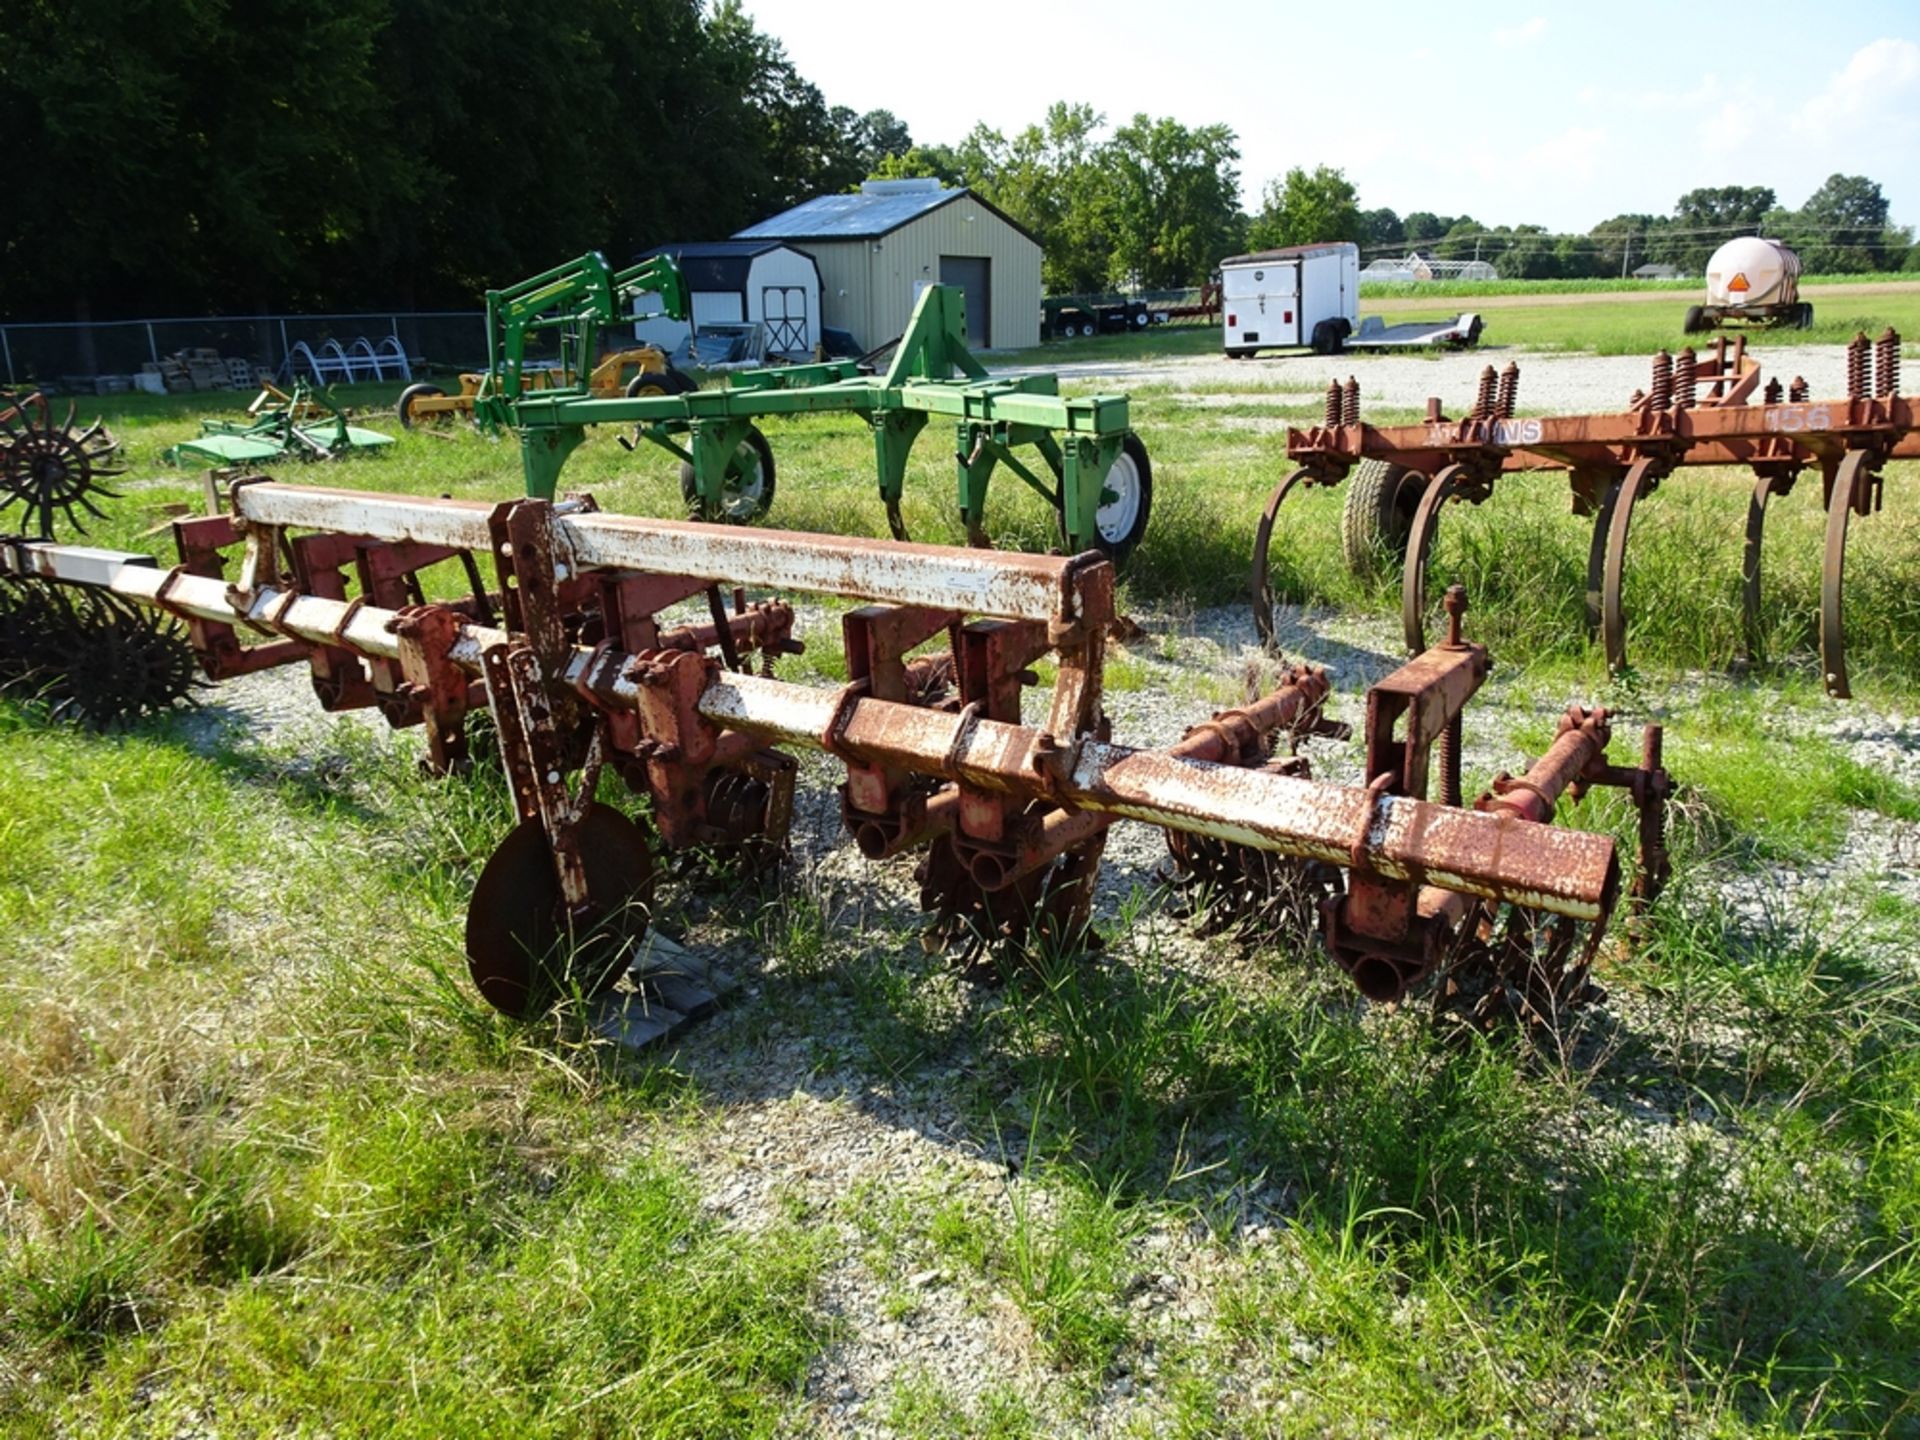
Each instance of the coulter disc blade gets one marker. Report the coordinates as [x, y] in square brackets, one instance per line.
[523, 950]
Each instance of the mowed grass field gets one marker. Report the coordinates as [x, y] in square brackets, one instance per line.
[268, 1166]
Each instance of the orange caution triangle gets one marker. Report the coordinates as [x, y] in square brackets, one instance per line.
[1739, 281]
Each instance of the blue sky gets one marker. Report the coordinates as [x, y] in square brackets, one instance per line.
[1553, 115]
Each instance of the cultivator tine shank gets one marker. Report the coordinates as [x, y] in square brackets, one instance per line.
[1262, 545]
[1642, 479]
[1769, 481]
[1856, 489]
[1413, 578]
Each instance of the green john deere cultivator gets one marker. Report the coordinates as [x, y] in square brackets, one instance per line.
[1078, 454]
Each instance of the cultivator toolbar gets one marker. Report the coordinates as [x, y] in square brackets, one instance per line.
[1697, 410]
[565, 624]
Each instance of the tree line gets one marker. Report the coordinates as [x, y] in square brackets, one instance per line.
[202, 156]
[182, 156]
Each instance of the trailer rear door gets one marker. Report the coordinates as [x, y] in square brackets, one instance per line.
[1260, 304]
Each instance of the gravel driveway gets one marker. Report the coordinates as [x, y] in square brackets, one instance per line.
[1549, 383]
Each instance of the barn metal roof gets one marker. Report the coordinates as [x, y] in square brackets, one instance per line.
[878, 208]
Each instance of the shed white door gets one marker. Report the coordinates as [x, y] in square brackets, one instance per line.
[783, 310]
[974, 275]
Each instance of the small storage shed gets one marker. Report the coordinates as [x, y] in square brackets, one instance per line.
[878, 248]
[736, 281]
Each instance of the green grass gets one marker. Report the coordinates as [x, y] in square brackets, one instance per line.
[1629, 328]
[265, 1158]
[1396, 289]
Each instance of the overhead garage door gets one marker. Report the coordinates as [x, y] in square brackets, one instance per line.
[973, 274]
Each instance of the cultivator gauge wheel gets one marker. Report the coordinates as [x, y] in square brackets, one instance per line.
[90, 655]
[47, 467]
[524, 950]
[1520, 969]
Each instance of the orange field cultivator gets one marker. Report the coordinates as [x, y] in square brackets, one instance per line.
[1697, 410]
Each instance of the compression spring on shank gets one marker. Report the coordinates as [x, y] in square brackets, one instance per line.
[1886, 364]
[1483, 401]
[1331, 416]
[1350, 402]
[1660, 392]
[1857, 366]
[1686, 366]
[1509, 391]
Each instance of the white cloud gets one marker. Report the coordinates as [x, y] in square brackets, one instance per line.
[1876, 82]
[1510, 37]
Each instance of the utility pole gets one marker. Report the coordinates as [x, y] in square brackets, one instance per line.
[1626, 253]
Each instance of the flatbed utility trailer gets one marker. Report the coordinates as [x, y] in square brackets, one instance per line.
[1459, 333]
[1092, 468]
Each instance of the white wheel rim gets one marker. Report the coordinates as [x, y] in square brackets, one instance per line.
[745, 483]
[1115, 518]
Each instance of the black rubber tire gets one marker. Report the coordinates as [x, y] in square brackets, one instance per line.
[1141, 320]
[403, 407]
[1377, 514]
[1803, 315]
[1088, 329]
[1120, 547]
[736, 515]
[1326, 339]
[1239, 354]
[1695, 322]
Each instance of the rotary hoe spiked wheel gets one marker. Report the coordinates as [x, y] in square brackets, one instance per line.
[47, 466]
[88, 654]
[1521, 969]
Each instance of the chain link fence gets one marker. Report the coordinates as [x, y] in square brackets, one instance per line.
[77, 356]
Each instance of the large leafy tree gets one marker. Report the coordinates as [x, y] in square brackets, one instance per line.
[177, 155]
[1175, 200]
[1705, 218]
[1308, 208]
[1842, 227]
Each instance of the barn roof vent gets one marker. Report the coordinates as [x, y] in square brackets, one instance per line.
[915, 186]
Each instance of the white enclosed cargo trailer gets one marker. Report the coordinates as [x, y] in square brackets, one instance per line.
[1296, 295]
[1310, 295]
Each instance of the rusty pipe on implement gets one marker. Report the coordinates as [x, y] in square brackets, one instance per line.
[1232, 737]
[1494, 854]
[1496, 857]
[1582, 740]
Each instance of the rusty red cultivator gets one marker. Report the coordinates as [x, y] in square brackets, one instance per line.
[1710, 410]
[563, 629]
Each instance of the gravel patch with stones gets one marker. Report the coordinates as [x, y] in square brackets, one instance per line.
[797, 1117]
